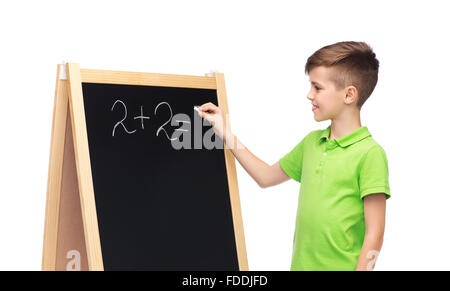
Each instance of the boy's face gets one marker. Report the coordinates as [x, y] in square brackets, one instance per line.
[328, 103]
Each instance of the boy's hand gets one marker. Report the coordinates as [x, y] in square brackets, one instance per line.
[259, 170]
[215, 116]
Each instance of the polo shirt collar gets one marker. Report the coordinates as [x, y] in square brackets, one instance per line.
[349, 139]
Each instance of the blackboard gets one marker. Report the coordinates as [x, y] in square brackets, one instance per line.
[158, 208]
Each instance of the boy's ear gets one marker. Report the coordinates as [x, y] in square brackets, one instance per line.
[351, 95]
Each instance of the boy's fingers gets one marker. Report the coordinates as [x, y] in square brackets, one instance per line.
[209, 117]
[209, 107]
[200, 112]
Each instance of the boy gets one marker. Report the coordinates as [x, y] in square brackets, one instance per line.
[343, 172]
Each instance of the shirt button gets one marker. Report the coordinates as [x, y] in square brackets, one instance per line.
[324, 154]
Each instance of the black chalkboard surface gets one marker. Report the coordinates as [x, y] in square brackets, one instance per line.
[158, 208]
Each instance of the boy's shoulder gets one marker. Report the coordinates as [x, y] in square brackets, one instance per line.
[361, 139]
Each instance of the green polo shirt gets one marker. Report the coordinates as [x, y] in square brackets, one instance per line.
[335, 175]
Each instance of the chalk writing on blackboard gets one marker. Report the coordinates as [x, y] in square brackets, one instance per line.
[168, 120]
[121, 121]
[142, 117]
[181, 136]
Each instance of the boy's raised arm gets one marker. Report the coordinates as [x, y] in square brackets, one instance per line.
[263, 174]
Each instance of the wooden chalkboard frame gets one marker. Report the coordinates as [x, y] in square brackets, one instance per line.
[71, 217]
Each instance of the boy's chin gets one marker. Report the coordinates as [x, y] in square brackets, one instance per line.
[319, 118]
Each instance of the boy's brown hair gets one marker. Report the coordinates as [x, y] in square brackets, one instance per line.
[353, 63]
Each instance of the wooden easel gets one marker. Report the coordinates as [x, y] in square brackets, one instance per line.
[71, 235]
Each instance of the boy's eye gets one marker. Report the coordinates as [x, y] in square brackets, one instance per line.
[317, 88]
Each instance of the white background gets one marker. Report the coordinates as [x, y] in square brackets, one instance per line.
[261, 47]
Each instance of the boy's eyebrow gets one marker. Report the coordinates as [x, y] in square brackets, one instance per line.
[315, 83]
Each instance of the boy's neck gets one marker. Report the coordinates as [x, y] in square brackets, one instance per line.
[344, 125]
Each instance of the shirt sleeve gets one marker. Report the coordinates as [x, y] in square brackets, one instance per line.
[291, 163]
[374, 173]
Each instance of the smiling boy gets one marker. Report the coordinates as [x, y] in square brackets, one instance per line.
[343, 171]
